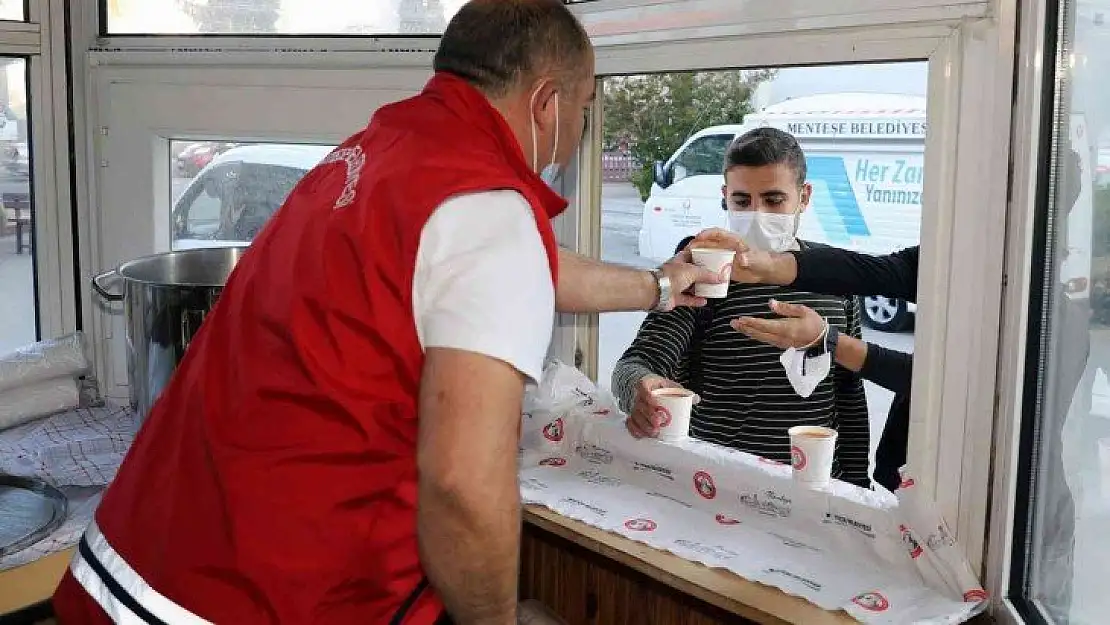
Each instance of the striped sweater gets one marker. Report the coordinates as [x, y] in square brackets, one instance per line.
[747, 402]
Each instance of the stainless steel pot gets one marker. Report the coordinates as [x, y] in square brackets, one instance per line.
[165, 298]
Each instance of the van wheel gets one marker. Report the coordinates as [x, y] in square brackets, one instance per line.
[885, 314]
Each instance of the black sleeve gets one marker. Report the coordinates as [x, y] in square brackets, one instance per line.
[853, 445]
[836, 271]
[889, 369]
[659, 349]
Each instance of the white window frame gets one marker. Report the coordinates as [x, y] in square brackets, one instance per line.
[970, 47]
[41, 42]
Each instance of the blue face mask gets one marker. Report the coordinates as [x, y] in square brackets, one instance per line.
[552, 172]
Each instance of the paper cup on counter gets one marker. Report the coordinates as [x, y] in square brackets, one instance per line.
[717, 261]
[678, 403]
[811, 454]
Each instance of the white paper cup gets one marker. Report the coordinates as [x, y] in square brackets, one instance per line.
[811, 454]
[717, 261]
[678, 403]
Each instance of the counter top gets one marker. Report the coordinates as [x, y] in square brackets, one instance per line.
[27, 585]
[722, 589]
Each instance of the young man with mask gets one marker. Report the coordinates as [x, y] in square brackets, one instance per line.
[340, 443]
[748, 398]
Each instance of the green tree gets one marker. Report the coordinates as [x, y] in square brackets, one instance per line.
[653, 114]
[234, 16]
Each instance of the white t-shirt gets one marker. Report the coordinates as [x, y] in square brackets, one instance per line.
[483, 281]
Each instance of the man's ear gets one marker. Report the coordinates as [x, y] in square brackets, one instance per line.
[804, 197]
[543, 103]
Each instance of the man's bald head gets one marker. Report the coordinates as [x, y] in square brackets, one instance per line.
[499, 45]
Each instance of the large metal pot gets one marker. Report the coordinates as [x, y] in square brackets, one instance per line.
[165, 298]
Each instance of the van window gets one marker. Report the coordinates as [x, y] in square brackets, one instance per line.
[704, 156]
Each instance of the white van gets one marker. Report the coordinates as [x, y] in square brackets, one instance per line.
[865, 158]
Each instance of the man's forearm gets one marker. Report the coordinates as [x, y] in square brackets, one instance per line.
[587, 286]
[470, 548]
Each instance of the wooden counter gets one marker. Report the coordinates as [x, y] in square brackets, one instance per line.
[593, 577]
[27, 585]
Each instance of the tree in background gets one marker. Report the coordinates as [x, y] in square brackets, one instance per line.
[233, 16]
[655, 113]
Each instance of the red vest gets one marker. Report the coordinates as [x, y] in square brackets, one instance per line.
[275, 480]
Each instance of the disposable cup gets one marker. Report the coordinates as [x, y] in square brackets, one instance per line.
[719, 262]
[811, 454]
[678, 404]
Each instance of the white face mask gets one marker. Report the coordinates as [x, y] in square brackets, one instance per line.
[552, 171]
[805, 373]
[771, 232]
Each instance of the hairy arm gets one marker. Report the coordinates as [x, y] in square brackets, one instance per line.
[468, 512]
[587, 285]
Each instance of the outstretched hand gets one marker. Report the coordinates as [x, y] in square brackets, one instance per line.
[798, 326]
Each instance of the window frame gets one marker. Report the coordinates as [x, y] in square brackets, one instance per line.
[969, 45]
[969, 86]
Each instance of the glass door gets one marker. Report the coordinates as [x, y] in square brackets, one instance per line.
[1061, 555]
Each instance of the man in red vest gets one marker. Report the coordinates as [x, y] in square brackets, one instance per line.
[339, 444]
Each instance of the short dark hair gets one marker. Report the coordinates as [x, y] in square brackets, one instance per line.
[496, 44]
[767, 146]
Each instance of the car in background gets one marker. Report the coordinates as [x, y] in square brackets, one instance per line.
[196, 156]
[233, 197]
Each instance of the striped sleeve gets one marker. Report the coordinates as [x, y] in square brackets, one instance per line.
[659, 348]
[850, 415]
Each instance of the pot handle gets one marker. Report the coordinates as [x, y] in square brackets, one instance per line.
[104, 292]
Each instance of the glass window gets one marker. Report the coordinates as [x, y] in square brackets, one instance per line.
[13, 10]
[1062, 554]
[278, 17]
[705, 156]
[866, 183]
[223, 193]
[18, 311]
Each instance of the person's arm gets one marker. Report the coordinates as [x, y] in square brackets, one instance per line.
[851, 419]
[481, 342]
[659, 347]
[829, 270]
[837, 271]
[468, 510]
[801, 325]
[587, 285]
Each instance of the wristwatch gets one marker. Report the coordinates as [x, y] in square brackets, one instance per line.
[828, 343]
[665, 299]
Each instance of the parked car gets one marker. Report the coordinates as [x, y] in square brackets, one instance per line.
[232, 197]
[197, 156]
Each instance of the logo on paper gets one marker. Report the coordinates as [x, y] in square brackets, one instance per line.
[911, 543]
[553, 461]
[663, 472]
[975, 596]
[769, 504]
[726, 520]
[641, 525]
[554, 431]
[703, 483]
[906, 483]
[596, 477]
[797, 458]
[872, 602]
[595, 454]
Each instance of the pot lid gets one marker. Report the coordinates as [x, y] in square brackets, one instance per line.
[30, 510]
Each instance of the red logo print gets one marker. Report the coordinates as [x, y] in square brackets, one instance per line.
[641, 525]
[554, 431]
[906, 483]
[726, 520]
[911, 543]
[664, 417]
[553, 461]
[975, 596]
[797, 458]
[872, 602]
[703, 483]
